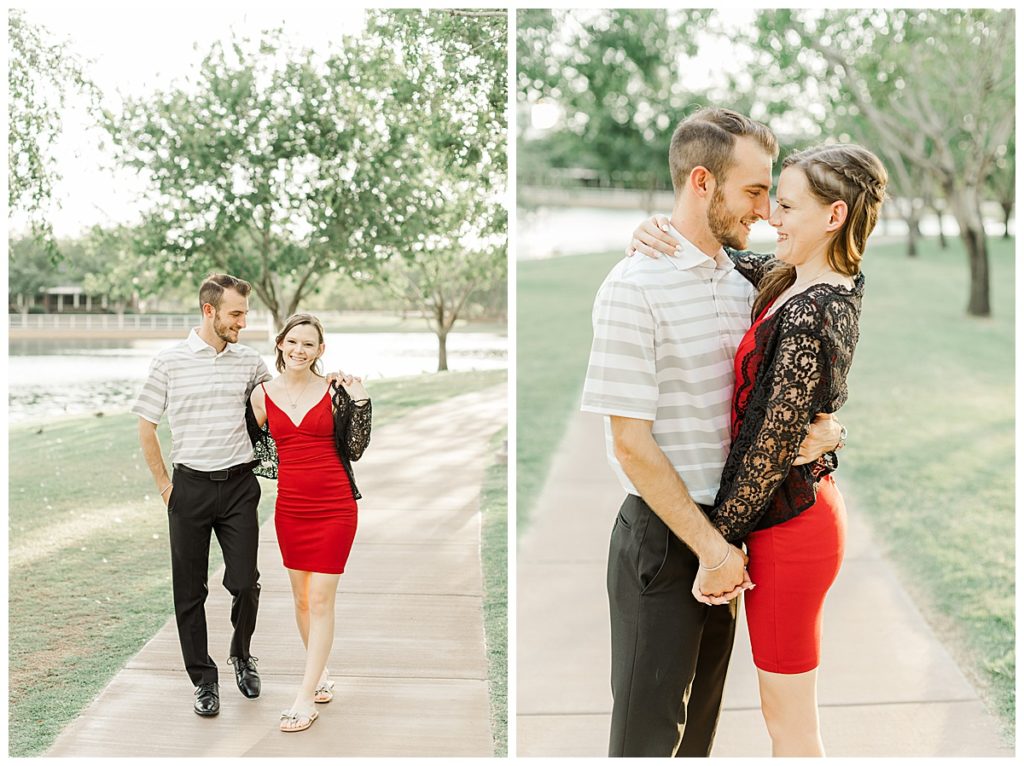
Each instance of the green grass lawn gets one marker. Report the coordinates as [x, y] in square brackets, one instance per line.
[931, 452]
[494, 554]
[89, 569]
[554, 300]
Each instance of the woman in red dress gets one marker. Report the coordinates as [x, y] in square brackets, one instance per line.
[791, 365]
[318, 430]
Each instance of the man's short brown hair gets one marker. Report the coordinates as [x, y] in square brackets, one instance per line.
[213, 287]
[707, 138]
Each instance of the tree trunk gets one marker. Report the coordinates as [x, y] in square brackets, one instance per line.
[911, 215]
[442, 351]
[966, 204]
[977, 252]
[913, 232]
[270, 301]
[942, 234]
[1007, 209]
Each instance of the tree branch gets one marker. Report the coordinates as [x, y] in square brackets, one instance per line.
[480, 14]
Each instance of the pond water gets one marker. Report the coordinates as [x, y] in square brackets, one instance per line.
[49, 378]
[549, 232]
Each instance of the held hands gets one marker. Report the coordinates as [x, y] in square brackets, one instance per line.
[822, 436]
[651, 238]
[722, 584]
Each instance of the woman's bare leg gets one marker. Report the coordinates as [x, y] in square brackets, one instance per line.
[320, 638]
[789, 703]
[300, 594]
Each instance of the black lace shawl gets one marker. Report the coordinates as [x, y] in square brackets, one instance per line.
[351, 436]
[802, 355]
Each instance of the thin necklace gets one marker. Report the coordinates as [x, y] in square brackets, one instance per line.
[808, 281]
[790, 291]
[295, 403]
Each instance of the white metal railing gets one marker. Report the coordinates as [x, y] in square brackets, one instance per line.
[114, 322]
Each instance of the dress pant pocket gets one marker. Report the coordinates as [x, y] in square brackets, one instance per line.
[170, 497]
[178, 490]
[623, 522]
[652, 553]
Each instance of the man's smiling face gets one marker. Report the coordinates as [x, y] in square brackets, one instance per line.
[229, 318]
[741, 199]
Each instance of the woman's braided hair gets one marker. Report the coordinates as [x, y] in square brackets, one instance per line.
[834, 172]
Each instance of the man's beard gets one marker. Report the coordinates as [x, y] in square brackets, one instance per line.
[723, 224]
[221, 330]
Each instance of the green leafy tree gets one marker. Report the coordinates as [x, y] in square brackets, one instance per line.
[451, 108]
[103, 262]
[440, 276]
[269, 163]
[42, 77]
[937, 85]
[910, 183]
[31, 271]
[617, 74]
[112, 267]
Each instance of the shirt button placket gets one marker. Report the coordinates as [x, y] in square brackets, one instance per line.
[723, 335]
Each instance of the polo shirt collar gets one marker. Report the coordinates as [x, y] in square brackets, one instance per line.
[197, 345]
[691, 256]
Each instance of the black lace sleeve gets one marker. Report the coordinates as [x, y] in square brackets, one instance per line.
[763, 453]
[793, 385]
[805, 354]
[360, 419]
[264, 449]
[352, 424]
[752, 265]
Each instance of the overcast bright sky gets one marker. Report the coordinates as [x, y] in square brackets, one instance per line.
[134, 48]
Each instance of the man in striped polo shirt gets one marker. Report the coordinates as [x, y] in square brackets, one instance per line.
[203, 384]
[661, 371]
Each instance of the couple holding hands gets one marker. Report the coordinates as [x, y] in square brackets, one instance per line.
[717, 371]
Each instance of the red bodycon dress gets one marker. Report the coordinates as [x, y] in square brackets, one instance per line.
[793, 564]
[315, 516]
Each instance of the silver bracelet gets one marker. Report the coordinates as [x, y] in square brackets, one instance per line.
[719, 566]
[166, 488]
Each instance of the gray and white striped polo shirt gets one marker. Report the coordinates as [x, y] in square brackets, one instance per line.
[665, 335]
[204, 395]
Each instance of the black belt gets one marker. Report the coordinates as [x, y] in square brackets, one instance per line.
[222, 475]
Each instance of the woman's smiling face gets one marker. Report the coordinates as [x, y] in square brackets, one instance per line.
[801, 220]
[301, 347]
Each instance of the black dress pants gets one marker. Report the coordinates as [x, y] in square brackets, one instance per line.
[670, 653]
[228, 508]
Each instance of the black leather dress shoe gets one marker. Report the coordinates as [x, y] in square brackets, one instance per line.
[207, 699]
[246, 677]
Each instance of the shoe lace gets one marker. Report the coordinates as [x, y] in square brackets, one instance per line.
[249, 663]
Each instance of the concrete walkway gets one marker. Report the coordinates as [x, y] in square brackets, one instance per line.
[409, 657]
[887, 687]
